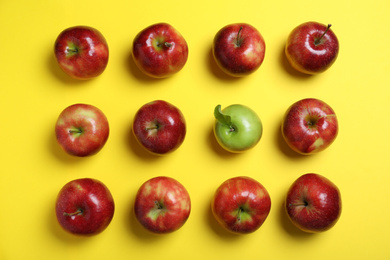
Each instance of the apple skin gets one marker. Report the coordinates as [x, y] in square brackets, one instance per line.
[241, 205]
[309, 126]
[84, 207]
[242, 133]
[307, 56]
[162, 205]
[313, 203]
[160, 50]
[159, 127]
[81, 52]
[82, 130]
[238, 49]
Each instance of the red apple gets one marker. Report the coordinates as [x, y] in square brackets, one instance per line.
[309, 126]
[84, 207]
[160, 50]
[159, 127]
[238, 49]
[82, 130]
[312, 48]
[313, 203]
[241, 205]
[81, 52]
[162, 205]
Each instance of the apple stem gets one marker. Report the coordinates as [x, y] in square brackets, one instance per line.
[77, 131]
[240, 210]
[166, 44]
[77, 212]
[238, 43]
[158, 204]
[223, 119]
[317, 41]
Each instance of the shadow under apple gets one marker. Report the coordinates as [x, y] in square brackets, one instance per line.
[283, 146]
[289, 227]
[217, 229]
[214, 145]
[136, 148]
[60, 75]
[289, 69]
[137, 73]
[60, 154]
[135, 228]
[216, 70]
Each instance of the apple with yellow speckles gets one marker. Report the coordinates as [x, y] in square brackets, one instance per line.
[238, 49]
[241, 205]
[81, 52]
[162, 205]
[82, 130]
[309, 126]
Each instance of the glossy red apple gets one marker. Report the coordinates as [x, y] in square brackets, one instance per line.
[160, 50]
[238, 49]
[82, 130]
[309, 126]
[159, 127]
[313, 203]
[312, 48]
[162, 205]
[81, 52]
[241, 205]
[84, 207]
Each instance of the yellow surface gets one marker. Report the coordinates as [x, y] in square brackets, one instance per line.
[34, 91]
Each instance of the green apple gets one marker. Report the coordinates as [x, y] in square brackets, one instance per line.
[237, 127]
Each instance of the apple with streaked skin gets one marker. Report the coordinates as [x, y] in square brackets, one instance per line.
[82, 130]
[237, 128]
[241, 205]
[84, 207]
[81, 52]
[238, 49]
[162, 205]
[313, 203]
[312, 48]
[309, 126]
[160, 50]
[159, 127]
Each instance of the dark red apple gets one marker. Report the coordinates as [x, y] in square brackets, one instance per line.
[159, 127]
[313, 203]
[160, 50]
[162, 205]
[238, 49]
[312, 48]
[309, 126]
[81, 52]
[84, 207]
[82, 130]
[241, 205]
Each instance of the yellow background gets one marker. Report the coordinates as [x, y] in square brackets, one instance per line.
[34, 91]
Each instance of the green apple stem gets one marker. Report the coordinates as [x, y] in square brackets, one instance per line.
[318, 41]
[77, 212]
[223, 119]
[240, 210]
[239, 41]
[75, 131]
[73, 50]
